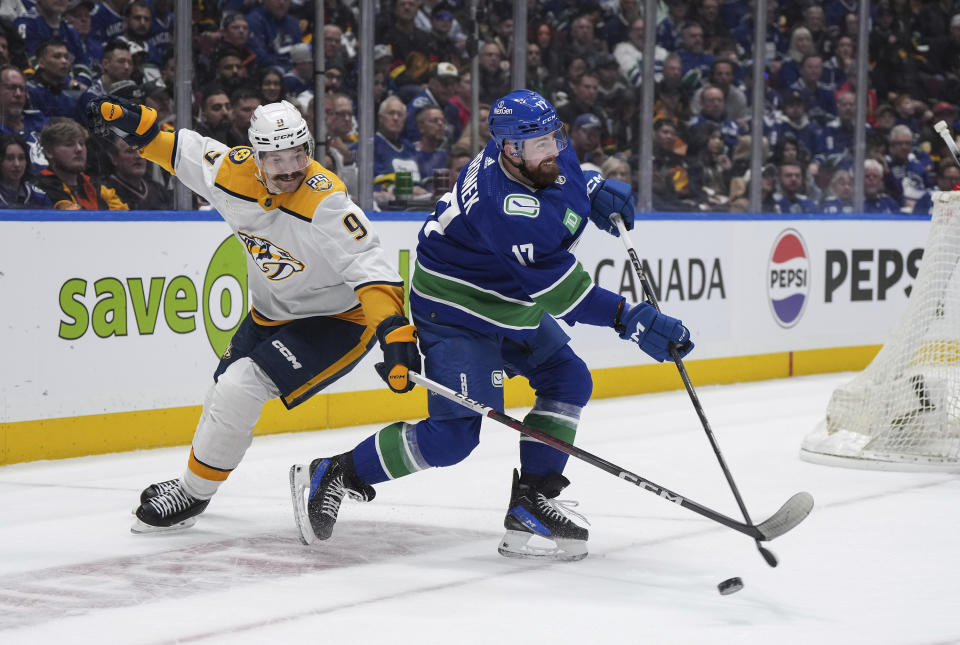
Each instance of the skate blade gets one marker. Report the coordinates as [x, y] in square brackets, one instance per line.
[141, 528]
[516, 544]
[299, 484]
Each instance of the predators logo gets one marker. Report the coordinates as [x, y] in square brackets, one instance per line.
[272, 260]
[239, 155]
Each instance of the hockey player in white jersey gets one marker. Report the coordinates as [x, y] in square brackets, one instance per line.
[495, 269]
[322, 290]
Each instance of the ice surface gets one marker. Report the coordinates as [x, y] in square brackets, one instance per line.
[876, 562]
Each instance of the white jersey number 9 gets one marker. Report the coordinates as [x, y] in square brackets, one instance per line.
[352, 223]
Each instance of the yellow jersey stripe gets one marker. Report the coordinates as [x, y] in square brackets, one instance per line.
[264, 321]
[232, 193]
[161, 150]
[354, 315]
[348, 359]
[204, 471]
[305, 218]
[380, 300]
[147, 118]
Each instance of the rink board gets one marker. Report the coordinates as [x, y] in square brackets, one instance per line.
[112, 323]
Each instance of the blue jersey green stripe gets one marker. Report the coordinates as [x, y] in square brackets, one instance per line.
[483, 303]
[566, 293]
[390, 449]
[563, 428]
[398, 452]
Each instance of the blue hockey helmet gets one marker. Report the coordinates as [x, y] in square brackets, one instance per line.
[522, 115]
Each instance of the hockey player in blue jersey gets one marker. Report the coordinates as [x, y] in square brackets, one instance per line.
[494, 271]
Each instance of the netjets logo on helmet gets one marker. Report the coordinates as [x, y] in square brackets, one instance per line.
[272, 260]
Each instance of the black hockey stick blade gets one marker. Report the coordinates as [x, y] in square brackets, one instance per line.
[794, 511]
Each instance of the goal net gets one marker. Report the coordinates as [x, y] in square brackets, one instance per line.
[903, 411]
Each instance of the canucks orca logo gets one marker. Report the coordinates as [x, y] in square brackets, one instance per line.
[788, 282]
[272, 260]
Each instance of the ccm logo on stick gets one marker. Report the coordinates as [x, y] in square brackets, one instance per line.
[287, 353]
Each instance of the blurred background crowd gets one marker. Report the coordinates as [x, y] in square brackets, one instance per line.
[584, 56]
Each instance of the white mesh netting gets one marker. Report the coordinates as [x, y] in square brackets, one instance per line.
[903, 411]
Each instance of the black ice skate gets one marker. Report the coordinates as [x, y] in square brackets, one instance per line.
[159, 488]
[153, 490]
[535, 514]
[170, 509]
[317, 491]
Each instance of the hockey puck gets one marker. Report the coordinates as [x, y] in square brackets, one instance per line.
[729, 586]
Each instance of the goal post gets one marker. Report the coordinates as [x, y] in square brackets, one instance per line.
[903, 411]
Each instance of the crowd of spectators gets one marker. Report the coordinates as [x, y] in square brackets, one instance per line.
[585, 56]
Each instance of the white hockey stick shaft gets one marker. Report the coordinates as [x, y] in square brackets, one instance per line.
[944, 131]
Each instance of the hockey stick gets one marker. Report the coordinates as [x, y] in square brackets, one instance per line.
[790, 514]
[944, 131]
[768, 555]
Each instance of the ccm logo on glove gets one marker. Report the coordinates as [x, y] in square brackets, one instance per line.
[110, 111]
[398, 340]
[134, 123]
[609, 196]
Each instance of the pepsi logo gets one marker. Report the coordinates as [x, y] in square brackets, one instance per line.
[788, 278]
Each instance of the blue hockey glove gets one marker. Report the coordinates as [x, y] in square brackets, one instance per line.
[398, 340]
[609, 196]
[134, 123]
[654, 332]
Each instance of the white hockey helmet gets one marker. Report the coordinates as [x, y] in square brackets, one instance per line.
[278, 126]
[275, 127]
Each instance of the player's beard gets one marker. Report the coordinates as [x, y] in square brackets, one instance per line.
[544, 174]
